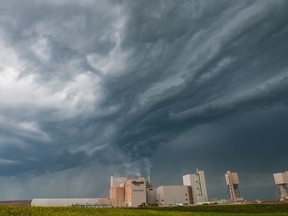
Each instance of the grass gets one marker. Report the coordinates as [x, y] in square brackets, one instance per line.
[213, 210]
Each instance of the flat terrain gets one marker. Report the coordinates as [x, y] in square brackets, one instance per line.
[213, 210]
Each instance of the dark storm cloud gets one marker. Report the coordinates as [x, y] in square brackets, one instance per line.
[112, 81]
[251, 143]
[186, 88]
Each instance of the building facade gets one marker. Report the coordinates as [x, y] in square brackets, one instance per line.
[135, 192]
[151, 194]
[71, 202]
[198, 186]
[232, 182]
[173, 195]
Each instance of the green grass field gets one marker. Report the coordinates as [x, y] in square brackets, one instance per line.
[213, 210]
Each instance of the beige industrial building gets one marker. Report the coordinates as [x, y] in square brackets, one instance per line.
[198, 187]
[117, 191]
[117, 196]
[126, 192]
[232, 182]
[173, 195]
[135, 192]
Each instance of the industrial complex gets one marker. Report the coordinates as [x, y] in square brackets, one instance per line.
[134, 192]
[138, 191]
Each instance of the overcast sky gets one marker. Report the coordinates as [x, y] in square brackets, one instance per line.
[92, 88]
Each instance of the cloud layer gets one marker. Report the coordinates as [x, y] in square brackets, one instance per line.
[131, 82]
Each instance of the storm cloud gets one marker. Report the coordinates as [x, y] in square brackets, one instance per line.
[135, 87]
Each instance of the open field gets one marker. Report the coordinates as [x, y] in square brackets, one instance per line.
[215, 210]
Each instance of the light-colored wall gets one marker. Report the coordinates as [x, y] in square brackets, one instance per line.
[198, 185]
[232, 181]
[151, 195]
[63, 202]
[232, 178]
[281, 178]
[135, 192]
[117, 181]
[118, 195]
[203, 187]
[172, 195]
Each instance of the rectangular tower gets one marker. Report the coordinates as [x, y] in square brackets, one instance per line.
[198, 185]
[135, 192]
[117, 190]
[232, 182]
[281, 180]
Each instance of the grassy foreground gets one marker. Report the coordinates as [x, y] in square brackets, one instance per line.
[215, 210]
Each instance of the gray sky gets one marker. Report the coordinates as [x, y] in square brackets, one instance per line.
[91, 88]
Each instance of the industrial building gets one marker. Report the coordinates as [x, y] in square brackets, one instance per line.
[173, 195]
[198, 186]
[117, 192]
[151, 194]
[71, 202]
[139, 191]
[232, 182]
[281, 180]
[126, 192]
[135, 192]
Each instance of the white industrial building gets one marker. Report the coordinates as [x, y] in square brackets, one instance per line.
[198, 186]
[64, 202]
[173, 195]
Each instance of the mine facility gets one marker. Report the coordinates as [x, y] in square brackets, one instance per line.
[139, 192]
